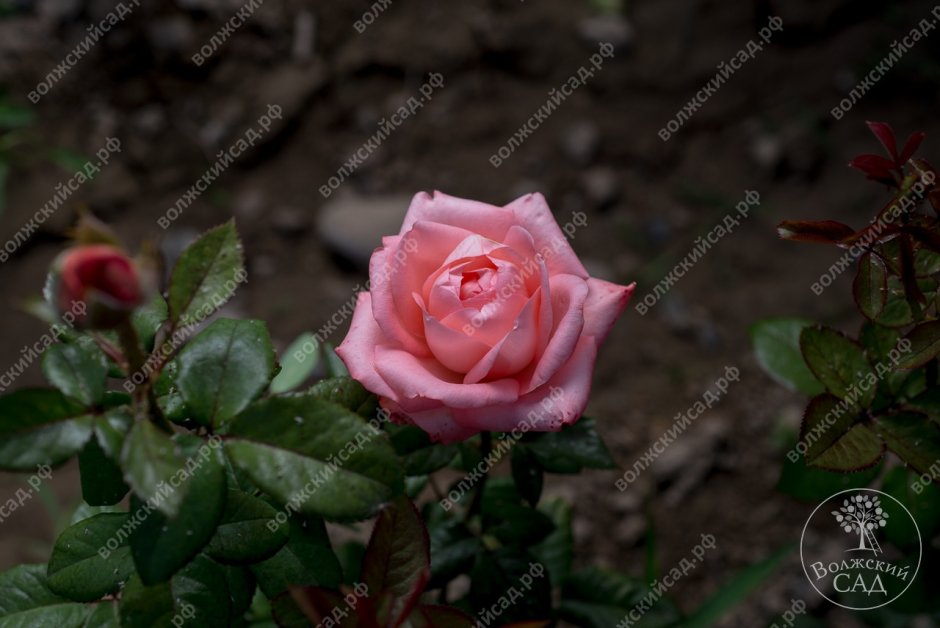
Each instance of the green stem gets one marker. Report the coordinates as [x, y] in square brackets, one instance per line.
[144, 395]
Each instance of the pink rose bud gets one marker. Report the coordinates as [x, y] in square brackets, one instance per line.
[480, 318]
[98, 283]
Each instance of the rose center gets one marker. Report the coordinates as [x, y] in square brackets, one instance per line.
[476, 282]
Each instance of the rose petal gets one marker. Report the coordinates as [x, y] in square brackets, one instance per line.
[384, 312]
[421, 251]
[533, 213]
[561, 401]
[357, 350]
[437, 422]
[605, 302]
[454, 349]
[474, 216]
[411, 377]
[515, 351]
[568, 294]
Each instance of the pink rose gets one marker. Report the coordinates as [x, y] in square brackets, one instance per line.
[480, 318]
[100, 277]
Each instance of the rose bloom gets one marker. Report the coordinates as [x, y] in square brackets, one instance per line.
[480, 318]
[100, 277]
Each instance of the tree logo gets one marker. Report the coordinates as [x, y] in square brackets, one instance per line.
[863, 515]
[881, 558]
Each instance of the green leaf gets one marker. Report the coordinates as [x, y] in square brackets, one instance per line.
[90, 560]
[398, 557]
[496, 573]
[241, 591]
[834, 440]
[39, 427]
[141, 605]
[557, 549]
[306, 559]
[348, 393]
[453, 550]
[912, 436]
[732, 593]
[334, 366]
[291, 447]
[147, 319]
[598, 598]
[76, 373]
[206, 275]
[420, 454]
[528, 475]
[102, 479]
[814, 485]
[105, 615]
[223, 368]
[776, 344]
[249, 531]
[925, 345]
[297, 363]
[514, 523]
[202, 589]
[574, 447]
[878, 341]
[150, 459]
[27, 601]
[870, 287]
[161, 545]
[839, 364]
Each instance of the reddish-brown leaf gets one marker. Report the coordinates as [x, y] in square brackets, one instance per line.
[824, 231]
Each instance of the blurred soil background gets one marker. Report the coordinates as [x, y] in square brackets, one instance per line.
[768, 129]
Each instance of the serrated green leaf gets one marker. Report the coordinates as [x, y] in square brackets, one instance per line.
[776, 343]
[90, 560]
[298, 362]
[39, 426]
[306, 559]
[833, 438]
[248, 532]
[101, 477]
[814, 485]
[870, 287]
[223, 368]
[925, 345]
[150, 459]
[287, 445]
[839, 363]
[161, 545]
[26, 601]
[206, 275]
[147, 319]
[348, 393]
[75, 372]
[574, 447]
[912, 436]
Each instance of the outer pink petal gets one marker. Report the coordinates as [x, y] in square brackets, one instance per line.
[603, 306]
[357, 350]
[483, 218]
[437, 422]
[533, 213]
[561, 401]
[568, 294]
[383, 305]
[413, 378]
